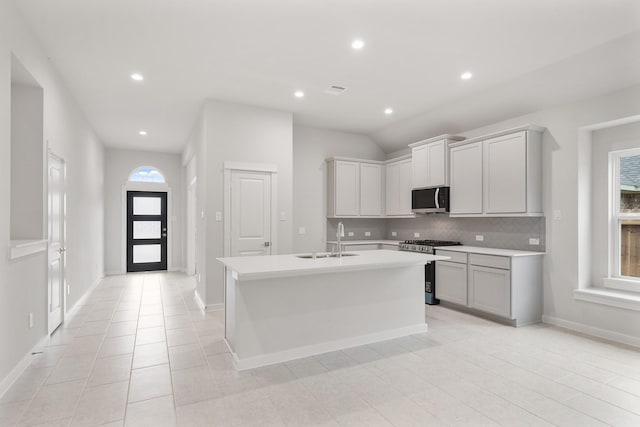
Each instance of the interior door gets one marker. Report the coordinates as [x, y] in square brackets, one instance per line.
[250, 213]
[56, 237]
[191, 228]
[146, 231]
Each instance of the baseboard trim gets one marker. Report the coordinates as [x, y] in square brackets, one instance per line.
[325, 347]
[23, 364]
[593, 331]
[113, 273]
[203, 306]
[74, 310]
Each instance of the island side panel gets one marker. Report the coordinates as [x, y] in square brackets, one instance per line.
[229, 308]
[283, 318]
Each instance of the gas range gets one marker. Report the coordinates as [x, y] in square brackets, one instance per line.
[424, 246]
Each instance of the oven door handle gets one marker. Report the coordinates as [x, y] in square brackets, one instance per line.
[436, 194]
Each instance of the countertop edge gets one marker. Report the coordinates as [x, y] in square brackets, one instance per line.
[490, 251]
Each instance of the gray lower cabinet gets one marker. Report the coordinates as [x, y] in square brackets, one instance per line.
[451, 281]
[508, 287]
[490, 290]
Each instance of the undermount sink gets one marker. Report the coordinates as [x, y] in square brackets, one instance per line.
[310, 256]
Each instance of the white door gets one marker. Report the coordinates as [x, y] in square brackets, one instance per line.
[250, 213]
[56, 223]
[191, 228]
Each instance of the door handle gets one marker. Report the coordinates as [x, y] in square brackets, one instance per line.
[61, 250]
[164, 234]
[267, 244]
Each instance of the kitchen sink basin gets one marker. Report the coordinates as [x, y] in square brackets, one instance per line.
[310, 256]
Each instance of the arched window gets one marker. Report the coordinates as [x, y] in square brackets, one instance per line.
[146, 174]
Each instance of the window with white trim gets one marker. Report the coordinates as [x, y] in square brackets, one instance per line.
[146, 174]
[624, 263]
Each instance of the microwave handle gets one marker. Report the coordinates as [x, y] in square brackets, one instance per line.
[437, 198]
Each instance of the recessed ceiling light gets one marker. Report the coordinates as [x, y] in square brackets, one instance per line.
[298, 94]
[466, 75]
[388, 111]
[142, 132]
[137, 77]
[357, 44]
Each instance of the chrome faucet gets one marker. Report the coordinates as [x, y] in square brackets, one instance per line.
[339, 234]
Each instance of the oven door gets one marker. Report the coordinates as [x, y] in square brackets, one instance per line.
[430, 284]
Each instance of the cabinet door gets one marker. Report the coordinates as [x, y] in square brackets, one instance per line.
[370, 189]
[405, 186]
[436, 163]
[506, 174]
[466, 179]
[490, 290]
[393, 184]
[419, 160]
[347, 188]
[451, 282]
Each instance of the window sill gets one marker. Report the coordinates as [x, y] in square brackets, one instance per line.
[610, 297]
[621, 284]
[21, 248]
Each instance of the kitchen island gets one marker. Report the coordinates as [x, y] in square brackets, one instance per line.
[284, 307]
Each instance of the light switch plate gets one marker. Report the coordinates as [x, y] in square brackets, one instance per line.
[367, 234]
[351, 234]
[283, 216]
[218, 216]
[416, 234]
[394, 234]
[534, 241]
[557, 214]
[479, 238]
[302, 230]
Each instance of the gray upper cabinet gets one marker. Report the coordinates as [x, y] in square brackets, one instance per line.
[354, 188]
[498, 174]
[430, 161]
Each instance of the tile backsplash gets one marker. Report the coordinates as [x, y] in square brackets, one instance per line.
[505, 233]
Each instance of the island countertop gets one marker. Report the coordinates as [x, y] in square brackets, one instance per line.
[270, 266]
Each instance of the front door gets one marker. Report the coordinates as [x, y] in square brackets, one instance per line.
[250, 213]
[146, 231]
[56, 249]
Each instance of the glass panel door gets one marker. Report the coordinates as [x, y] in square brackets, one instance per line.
[146, 231]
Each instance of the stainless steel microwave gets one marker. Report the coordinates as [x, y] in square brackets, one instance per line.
[430, 200]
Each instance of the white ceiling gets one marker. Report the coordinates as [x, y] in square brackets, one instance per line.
[524, 55]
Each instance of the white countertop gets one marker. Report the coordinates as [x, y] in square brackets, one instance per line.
[366, 242]
[489, 251]
[262, 267]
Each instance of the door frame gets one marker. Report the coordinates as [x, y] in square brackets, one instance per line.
[63, 239]
[191, 228]
[272, 169]
[144, 186]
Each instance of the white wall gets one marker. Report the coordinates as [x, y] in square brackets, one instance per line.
[118, 166]
[311, 146]
[239, 133]
[563, 156]
[23, 281]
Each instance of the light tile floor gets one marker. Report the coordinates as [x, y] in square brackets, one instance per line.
[140, 353]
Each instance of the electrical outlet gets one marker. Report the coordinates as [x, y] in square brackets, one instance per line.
[479, 238]
[416, 234]
[557, 214]
[283, 216]
[394, 234]
[218, 216]
[351, 234]
[30, 319]
[302, 230]
[534, 241]
[367, 234]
